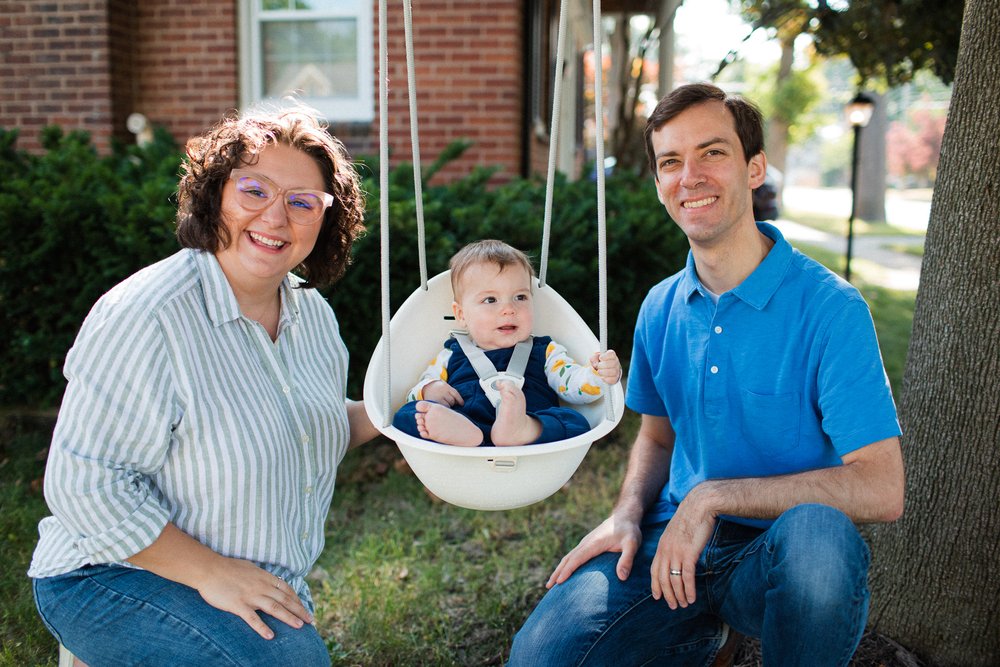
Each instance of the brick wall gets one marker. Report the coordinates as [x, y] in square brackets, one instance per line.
[468, 57]
[187, 63]
[54, 68]
[88, 65]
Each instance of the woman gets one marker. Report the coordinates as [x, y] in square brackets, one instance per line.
[193, 462]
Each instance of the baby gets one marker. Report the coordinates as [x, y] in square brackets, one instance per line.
[491, 282]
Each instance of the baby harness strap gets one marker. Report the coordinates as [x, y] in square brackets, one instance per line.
[489, 376]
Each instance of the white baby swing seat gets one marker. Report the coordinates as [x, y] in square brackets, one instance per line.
[482, 478]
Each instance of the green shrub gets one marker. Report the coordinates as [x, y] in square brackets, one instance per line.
[75, 223]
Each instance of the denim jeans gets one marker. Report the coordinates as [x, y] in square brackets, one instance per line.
[112, 615]
[801, 586]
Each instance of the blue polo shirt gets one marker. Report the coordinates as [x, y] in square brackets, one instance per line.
[783, 376]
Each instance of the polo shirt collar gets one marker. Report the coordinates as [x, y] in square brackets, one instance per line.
[758, 288]
[220, 301]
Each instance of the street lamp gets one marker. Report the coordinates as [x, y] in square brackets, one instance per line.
[859, 112]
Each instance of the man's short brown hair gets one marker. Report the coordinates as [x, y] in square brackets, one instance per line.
[747, 118]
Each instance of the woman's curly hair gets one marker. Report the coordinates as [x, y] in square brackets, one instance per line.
[236, 141]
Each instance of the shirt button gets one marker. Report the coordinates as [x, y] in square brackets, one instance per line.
[286, 389]
[714, 369]
[718, 329]
[305, 534]
[309, 490]
[304, 439]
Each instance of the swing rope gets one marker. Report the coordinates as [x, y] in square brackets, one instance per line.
[549, 185]
[383, 180]
[550, 178]
[602, 223]
[418, 188]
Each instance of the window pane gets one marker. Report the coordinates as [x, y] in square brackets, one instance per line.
[311, 58]
[305, 5]
[320, 5]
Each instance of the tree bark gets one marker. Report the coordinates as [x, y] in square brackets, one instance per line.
[936, 572]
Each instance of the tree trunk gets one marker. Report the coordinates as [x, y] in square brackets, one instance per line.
[665, 19]
[618, 84]
[872, 165]
[936, 572]
[777, 126]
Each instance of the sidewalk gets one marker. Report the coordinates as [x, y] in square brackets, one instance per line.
[872, 260]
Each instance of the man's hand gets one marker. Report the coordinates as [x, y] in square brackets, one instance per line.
[615, 534]
[441, 392]
[242, 588]
[681, 544]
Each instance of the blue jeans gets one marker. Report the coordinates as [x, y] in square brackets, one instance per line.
[801, 586]
[112, 615]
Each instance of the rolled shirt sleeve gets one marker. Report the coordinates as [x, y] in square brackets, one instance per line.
[113, 431]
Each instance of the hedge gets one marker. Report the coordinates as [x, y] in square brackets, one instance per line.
[75, 223]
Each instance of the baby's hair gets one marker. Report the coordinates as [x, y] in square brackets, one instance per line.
[489, 251]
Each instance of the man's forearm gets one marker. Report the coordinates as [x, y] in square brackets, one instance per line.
[868, 488]
[648, 468]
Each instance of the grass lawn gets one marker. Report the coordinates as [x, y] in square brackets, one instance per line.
[915, 249]
[837, 225]
[404, 579]
[24, 639]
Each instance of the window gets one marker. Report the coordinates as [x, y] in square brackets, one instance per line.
[318, 50]
[542, 28]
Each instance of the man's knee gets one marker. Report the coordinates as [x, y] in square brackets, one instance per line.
[569, 618]
[549, 632]
[819, 554]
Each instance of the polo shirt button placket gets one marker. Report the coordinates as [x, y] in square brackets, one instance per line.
[715, 386]
[718, 330]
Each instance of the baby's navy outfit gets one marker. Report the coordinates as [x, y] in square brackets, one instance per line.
[558, 423]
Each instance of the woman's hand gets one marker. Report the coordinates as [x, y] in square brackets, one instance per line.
[242, 588]
[230, 584]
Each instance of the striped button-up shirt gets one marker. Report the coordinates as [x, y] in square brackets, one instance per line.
[181, 409]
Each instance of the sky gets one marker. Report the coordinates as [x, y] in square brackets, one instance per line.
[708, 29]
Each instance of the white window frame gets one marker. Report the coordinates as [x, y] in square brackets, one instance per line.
[334, 109]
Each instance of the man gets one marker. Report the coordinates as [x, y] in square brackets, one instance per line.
[768, 429]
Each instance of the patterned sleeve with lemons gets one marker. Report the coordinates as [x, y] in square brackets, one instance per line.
[436, 370]
[574, 382]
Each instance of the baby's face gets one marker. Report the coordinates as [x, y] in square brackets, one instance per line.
[495, 305]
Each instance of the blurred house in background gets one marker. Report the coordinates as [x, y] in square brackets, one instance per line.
[484, 71]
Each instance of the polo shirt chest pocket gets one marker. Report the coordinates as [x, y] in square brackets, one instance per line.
[771, 422]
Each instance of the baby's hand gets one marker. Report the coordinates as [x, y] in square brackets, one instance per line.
[607, 366]
[440, 391]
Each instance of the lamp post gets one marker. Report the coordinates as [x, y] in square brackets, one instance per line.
[859, 112]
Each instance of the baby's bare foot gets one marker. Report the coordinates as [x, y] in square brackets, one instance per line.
[441, 424]
[513, 426]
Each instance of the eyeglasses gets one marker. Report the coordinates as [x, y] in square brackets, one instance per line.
[255, 193]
